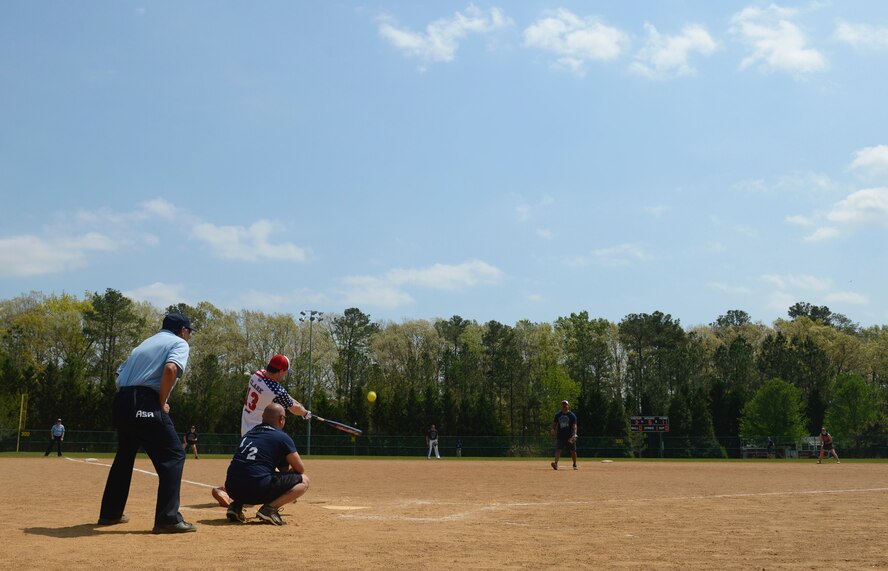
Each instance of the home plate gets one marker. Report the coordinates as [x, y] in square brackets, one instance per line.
[607, 461]
[344, 508]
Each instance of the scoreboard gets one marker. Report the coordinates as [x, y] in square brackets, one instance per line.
[649, 423]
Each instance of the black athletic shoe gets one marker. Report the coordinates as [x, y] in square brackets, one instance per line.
[113, 520]
[181, 527]
[235, 514]
[270, 515]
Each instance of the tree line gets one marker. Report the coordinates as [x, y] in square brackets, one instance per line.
[733, 378]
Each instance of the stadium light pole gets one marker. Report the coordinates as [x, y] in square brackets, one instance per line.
[311, 316]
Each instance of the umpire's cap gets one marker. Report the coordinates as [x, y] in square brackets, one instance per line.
[176, 321]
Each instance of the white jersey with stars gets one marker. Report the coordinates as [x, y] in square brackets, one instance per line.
[261, 392]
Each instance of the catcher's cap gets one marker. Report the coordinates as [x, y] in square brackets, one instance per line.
[176, 321]
[279, 362]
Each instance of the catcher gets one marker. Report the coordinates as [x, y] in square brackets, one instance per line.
[565, 426]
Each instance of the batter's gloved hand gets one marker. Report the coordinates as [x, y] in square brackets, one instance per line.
[573, 439]
[307, 415]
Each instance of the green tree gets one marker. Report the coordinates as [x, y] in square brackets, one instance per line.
[352, 333]
[852, 407]
[111, 324]
[776, 410]
[654, 345]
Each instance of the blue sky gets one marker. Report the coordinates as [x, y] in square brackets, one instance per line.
[498, 161]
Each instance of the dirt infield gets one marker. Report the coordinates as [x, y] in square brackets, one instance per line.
[467, 514]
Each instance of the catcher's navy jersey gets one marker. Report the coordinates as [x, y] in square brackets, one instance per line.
[260, 451]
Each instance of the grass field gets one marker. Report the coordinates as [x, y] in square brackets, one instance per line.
[467, 514]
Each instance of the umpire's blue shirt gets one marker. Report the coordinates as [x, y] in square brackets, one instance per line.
[144, 368]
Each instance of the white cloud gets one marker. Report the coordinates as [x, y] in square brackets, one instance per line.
[728, 288]
[657, 211]
[868, 206]
[388, 291]
[620, 255]
[798, 183]
[575, 40]
[105, 217]
[862, 35]
[247, 244]
[790, 288]
[447, 277]
[804, 282]
[871, 158]
[370, 291]
[160, 208]
[545, 233]
[665, 57]
[776, 42]
[824, 233]
[29, 255]
[800, 220]
[442, 37]
[158, 294]
[525, 211]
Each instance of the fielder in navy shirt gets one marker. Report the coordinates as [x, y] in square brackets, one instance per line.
[565, 425]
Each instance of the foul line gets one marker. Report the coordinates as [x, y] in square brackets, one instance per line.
[97, 463]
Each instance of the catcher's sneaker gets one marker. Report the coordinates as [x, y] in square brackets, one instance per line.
[270, 515]
[554, 465]
[575, 467]
[221, 496]
[235, 513]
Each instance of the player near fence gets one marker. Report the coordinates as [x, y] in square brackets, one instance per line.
[253, 478]
[565, 426]
[263, 389]
[191, 440]
[56, 437]
[826, 446]
[432, 442]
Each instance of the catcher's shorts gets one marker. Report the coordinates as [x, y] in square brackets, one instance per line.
[251, 494]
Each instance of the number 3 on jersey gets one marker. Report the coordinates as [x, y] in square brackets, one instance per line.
[252, 400]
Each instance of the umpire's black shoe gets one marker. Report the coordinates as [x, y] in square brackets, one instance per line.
[113, 520]
[181, 527]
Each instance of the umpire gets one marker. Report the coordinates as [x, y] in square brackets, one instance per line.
[141, 417]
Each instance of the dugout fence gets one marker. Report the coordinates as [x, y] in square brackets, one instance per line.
[634, 446]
